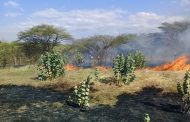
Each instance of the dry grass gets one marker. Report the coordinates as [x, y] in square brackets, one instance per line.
[102, 93]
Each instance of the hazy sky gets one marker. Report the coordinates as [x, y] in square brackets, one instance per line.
[87, 17]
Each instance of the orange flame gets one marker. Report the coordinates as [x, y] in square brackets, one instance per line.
[70, 67]
[179, 64]
[102, 68]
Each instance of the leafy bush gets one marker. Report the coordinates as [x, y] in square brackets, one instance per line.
[78, 58]
[146, 117]
[65, 59]
[50, 65]
[129, 74]
[139, 59]
[80, 95]
[118, 66]
[96, 74]
[123, 68]
[184, 92]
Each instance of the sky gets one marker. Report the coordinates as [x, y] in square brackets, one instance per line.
[82, 18]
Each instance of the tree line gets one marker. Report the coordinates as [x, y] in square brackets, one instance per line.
[96, 50]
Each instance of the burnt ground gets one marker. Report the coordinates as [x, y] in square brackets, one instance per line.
[28, 104]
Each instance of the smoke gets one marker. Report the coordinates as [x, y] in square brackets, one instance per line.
[185, 40]
[160, 47]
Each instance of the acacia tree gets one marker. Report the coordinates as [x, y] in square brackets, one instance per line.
[171, 34]
[97, 46]
[173, 29]
[41, 38]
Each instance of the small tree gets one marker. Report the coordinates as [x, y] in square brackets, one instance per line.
[50, 65]
[65, 59]
[97, 46]
[129, 70]
[4, 62]
[184, 92]
[80, 95]
[123, 68]
[79, 58]
[5, 54]
[139, 59]
[41, 38]
[96, 74]
[118, 66]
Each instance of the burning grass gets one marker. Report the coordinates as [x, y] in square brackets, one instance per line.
[70, 67]
[179, 64]
[103, 68]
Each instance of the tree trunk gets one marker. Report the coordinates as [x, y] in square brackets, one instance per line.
[20, 61]
[15, 61]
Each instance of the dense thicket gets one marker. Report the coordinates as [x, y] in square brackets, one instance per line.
[12, 54]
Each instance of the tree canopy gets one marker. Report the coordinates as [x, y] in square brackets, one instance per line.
[98, 45]
[174, 27]
[171, 36]
[172, 30]
[42, 38]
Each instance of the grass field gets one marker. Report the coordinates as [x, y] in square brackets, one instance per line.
[149, 91]
[105, 92]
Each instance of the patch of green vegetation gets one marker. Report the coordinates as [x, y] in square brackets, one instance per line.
[184, 92]
[124, 68]
[50, 65]
[146, 117]
[96, 74]
[139, 59]
[57, 105]
[79, 59]
[80, 95]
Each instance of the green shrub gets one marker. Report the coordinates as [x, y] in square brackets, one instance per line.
[96, 74]
[118, 66]
[139, 59]
[65, 59]
[184, 93]
[50, 65]
[78, 58]
[123, 68]
[80, 95]
[146, 117]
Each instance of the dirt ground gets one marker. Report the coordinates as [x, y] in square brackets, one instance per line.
[29, 104]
